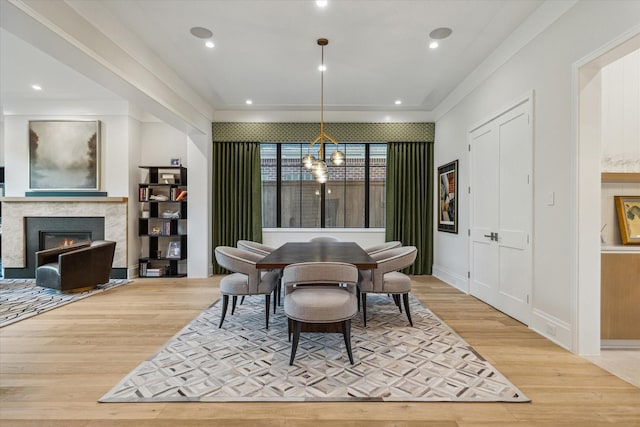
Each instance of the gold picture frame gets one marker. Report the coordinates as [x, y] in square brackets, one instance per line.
[628, 210]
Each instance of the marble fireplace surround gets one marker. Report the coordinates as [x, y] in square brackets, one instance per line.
[16, 209]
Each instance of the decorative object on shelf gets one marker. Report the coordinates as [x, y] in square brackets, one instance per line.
[168, 178]
[145, 214]
[628, 210]
[173, 250]
[155, 231]
[64, 155]
[159, 197]
[176, 162]
[182, 196]
[171, 214]
[318, 166]
[448, 197]
[159, 254]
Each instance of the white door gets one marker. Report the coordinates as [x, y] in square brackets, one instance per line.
[501, 201]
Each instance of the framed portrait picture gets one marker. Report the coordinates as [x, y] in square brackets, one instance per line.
[173, 250]
[448, 197]
[628, 210]
[64, 155]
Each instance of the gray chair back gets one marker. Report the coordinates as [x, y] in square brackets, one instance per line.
[383, 247]
[322, 273]
[324, 239]
[256, 247]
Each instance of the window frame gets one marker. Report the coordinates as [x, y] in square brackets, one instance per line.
[323, 187]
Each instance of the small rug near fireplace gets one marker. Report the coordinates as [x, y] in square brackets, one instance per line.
[21, 298]
[244, 362]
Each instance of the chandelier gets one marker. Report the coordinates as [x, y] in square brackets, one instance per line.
[318, 166]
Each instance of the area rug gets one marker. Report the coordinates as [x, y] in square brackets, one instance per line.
[21, 298]
[243, 362]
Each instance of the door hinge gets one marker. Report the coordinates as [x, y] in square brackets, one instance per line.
[527, 239]
[527, 299]
[469, 189]
[528, 179]
[468, 275]
[469, 147]
[468, 232]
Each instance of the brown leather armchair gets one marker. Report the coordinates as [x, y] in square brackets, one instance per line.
[75, 268]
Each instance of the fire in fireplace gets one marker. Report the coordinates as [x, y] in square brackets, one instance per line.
[58, 239]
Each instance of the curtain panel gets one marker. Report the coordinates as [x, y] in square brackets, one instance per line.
[237, 195]
[409, 213]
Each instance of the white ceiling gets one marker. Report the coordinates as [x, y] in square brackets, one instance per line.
[266, 51]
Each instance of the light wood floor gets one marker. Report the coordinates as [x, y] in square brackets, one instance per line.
[55, 366]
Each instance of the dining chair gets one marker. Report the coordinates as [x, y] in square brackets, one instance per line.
[245, 278]
[386, 279]
[251, 246]
[324, 239]
[320, 293]
[264, 250]
[382, 247]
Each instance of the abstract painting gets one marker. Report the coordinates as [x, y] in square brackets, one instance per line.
[64, 155]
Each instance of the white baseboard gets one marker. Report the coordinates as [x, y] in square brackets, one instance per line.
[620, 344]
[452, 278]
[552, 328]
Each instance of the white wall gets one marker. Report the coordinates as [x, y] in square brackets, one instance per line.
[620, 112]
[114, 140]
[160, 142]
[544, 66]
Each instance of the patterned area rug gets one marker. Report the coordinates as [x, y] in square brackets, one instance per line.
[21, 298]
[245, 362]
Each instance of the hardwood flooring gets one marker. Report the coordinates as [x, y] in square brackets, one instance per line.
[55, 366]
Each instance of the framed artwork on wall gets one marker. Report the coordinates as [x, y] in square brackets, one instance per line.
[448, 197]
[628, 210]
[64, 155]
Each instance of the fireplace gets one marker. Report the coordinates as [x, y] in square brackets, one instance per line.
[60, 239]
[58, 227]
[24, 217]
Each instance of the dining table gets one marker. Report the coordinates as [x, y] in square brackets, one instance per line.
[295, 252]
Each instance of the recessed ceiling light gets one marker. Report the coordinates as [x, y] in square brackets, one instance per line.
[36, 87]
[398, 102]
[322, 68]
[433, 45]
[440, 33]
[209, 44]
[322, 3]
[248, 102]
[201, 32]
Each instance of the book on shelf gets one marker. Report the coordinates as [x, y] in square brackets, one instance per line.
[144, 193]
[155, 272]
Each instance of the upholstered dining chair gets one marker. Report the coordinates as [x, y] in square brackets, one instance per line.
[320, 292]
[324, 239]
[245, 278]
[251, 246]
[382, 247]
[264, 250]
[386, 279]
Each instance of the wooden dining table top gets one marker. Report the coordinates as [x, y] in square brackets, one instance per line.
[294, 252]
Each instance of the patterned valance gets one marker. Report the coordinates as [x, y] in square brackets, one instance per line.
[343, 132]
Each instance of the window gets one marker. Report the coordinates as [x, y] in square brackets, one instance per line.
[352, 197]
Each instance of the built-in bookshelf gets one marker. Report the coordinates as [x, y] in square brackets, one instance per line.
[162, 223]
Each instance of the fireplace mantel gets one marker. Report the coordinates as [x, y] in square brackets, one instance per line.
[65, 199]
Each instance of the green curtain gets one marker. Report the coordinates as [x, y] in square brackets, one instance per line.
[237, 195]
[409, 213]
